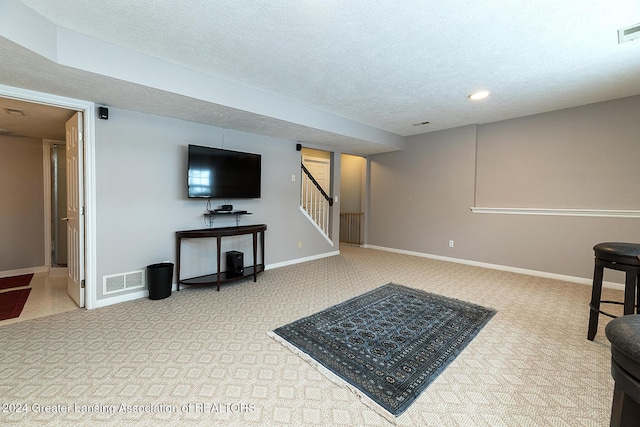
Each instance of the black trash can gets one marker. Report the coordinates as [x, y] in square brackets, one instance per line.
[159, 277]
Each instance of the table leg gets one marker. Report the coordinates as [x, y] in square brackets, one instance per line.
[219, 245]
[262, 248]
[178, 246]
[255, 257]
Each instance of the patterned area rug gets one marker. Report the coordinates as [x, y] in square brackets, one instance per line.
[12, 303]
[15, 281]
[388, 344]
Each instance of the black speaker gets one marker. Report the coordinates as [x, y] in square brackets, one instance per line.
[103, 113]
[235, 263]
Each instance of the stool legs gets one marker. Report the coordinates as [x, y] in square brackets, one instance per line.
[638, 294]
[631, 302]
[629, 294]
[596, 293]
[625, 411]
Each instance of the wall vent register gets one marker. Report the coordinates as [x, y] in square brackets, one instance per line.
[123, 282]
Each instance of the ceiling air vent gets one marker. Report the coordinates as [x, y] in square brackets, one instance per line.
[629, 33]
[14, 111]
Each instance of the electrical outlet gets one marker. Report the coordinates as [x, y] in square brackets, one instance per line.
[293, 178]
[450, 243]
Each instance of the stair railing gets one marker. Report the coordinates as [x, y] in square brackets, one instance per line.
[351, 227]
[315, 201]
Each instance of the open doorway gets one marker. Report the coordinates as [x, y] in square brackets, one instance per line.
[55, 176]
[33, 137]
[353, 199]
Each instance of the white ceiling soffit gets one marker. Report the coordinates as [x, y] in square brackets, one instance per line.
[325, 72]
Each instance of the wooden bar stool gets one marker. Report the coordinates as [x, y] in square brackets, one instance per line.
[616, 256]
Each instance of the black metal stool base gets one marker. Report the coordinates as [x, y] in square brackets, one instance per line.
[621, 257]
[624, 336]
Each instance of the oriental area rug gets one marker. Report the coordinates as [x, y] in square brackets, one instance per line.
[388, 344]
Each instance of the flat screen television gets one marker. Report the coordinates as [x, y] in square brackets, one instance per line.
[223, 174]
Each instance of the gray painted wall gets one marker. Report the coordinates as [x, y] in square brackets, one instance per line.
[575, 158]
[21, 203]
[420, 198]
[141, 169]
[352, 176]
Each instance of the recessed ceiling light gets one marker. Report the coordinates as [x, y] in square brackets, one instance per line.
[421, 124]
[479, 95]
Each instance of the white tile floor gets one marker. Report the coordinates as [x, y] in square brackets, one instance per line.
[48, 296]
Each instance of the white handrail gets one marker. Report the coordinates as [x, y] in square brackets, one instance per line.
[314, 203]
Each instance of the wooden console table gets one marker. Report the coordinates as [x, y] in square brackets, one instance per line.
[222, 277]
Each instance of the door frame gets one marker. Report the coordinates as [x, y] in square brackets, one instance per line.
[47, 145]
[88, 110]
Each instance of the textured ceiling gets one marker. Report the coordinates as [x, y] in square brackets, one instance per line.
[388, 65]
[36, 121]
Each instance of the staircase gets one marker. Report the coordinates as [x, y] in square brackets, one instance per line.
[315, 203]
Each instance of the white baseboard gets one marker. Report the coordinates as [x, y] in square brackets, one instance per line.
[127, 297]
[21, 271]
[546, 275]
[145, 293]
[583, 281]
[121, 298]
[301, 260]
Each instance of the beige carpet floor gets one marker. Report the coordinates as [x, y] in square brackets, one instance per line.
[202, 357]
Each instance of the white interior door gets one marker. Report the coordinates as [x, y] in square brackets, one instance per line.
[320, 169]
[75, 209]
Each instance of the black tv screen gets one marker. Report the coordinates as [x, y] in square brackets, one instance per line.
[223, 174]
